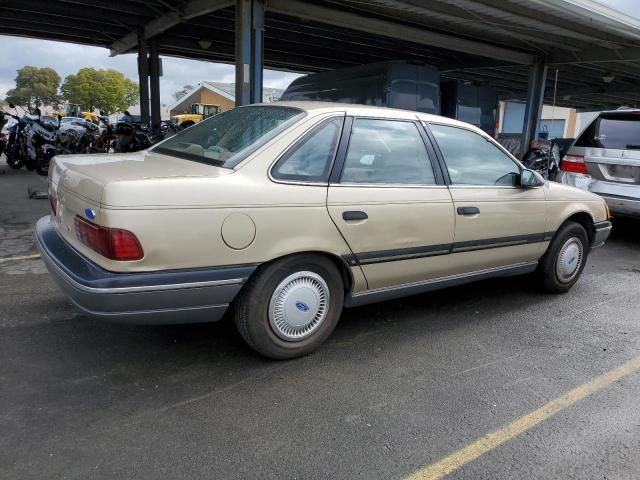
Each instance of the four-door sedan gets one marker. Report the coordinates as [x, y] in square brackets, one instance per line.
[287, 212]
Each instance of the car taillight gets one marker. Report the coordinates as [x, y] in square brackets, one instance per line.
[53, 201]
[573, 164]
[113, 243]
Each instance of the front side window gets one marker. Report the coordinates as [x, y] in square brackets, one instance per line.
[387, 151]
[225, 139]
[472, 159]
[310, 159]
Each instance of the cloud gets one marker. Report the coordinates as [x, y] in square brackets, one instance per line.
[68, 58]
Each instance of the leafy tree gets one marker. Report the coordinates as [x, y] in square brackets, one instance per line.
[107, 90]
[183, 92]
[35, 87]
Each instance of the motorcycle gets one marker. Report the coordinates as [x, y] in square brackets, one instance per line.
[77, 136]
[543, 157]
[3, 137]
[131, 135]
[40, 143]
[106, 140]
[16, 146]
[31, 142]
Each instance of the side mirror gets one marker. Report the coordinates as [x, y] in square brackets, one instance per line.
[530, 179]
[38, 112]
[11, 105]
[101, 113]
[126, 112]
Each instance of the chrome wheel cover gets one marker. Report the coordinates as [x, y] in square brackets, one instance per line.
[569, 260]
[298, 306]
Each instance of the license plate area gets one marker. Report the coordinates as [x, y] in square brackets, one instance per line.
[623, 173]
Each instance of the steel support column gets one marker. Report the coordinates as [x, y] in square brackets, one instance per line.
[249, 51]
[154, 82]
[143, 79]
[535, 101]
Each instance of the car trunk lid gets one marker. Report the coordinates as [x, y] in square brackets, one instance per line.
[79, 184]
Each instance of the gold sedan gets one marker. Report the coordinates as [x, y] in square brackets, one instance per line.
[287, 212]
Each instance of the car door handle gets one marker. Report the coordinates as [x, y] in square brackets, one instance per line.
[354, 215]
[468, 210]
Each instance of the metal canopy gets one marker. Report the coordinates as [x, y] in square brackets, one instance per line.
[493, 42]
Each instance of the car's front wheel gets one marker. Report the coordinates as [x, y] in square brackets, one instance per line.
[565, 259]
[289, 307]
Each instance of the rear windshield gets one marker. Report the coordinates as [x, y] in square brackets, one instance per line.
[615, 130]
[225, 139]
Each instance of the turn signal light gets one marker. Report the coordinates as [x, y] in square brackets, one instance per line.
[113, 243]
[573, 164]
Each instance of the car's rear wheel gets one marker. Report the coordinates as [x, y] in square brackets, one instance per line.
[289, 307]
[565, 259]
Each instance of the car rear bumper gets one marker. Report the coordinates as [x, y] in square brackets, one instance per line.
[622, 199]
[620, 205]
[165, 297]
[602, 230]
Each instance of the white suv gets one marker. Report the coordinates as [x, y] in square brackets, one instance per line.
[605, 159]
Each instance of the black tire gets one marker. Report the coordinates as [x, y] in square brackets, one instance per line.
[253, 303]
[42, 164]
[14, 162]
[550, 271]
[42, 167]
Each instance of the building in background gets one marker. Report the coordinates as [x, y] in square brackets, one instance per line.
[555, 122]
[215, 93]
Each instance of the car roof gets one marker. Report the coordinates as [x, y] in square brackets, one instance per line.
[315, 107]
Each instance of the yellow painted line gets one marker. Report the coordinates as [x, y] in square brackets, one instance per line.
[487, 443]
[20, 257]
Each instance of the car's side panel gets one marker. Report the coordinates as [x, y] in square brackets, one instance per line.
[193, 238]
[406, 236]
[509, 229]
[279, 219]
[564, 201]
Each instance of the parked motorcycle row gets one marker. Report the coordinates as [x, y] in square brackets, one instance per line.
[33, 140]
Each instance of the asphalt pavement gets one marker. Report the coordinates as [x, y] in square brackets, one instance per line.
[399, 385]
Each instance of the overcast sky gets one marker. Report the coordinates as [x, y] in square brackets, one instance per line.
[68, 58]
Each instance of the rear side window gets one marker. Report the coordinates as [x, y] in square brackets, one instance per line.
[387, 152]
[620, 131]
[310, 159]
[472, 159]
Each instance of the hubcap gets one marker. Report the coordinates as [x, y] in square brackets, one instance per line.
[298, 306]
[569, 260]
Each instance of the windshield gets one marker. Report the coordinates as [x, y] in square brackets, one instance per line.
[225, 139]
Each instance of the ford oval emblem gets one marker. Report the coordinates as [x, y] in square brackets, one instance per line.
[303, 307]
[89, 213]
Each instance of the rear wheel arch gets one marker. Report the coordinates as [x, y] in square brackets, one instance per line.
[341, 264]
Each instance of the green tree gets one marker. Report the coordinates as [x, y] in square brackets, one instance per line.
[35, 87]
[107, 90]
[182, 92]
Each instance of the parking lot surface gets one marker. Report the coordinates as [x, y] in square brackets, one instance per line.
[398, 386]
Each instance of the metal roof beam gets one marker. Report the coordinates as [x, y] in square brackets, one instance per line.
[597, 55]
[191, 9]
[307, 11]
[534, 19]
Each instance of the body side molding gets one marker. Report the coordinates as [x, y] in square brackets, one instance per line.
[404, 290]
